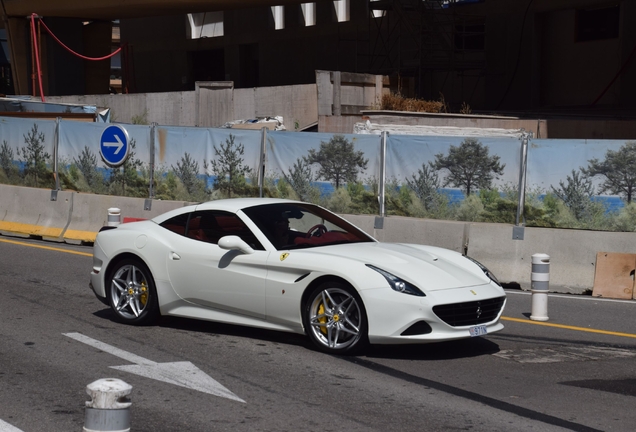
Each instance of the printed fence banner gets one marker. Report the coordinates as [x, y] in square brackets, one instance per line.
[442, 171]
[580, 184]
[26, 152]
[340, 170]
[586, 184]
[82, 167]
[209, 163]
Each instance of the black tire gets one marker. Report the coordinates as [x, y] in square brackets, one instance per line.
[335, 319]
[131, 292]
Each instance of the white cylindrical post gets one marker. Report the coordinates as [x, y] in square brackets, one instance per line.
[114, 216]
[109, 407]
[540, 283]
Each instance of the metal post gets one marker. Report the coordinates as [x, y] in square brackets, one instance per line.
[151, 192]
[261, 168]
[540, 282]
[109, 407]
[114, 216]
[517, 230]
[382, 182]
[56, 150]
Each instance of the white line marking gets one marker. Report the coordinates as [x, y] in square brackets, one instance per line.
[110, 349]
[575, 297]
[6, 427]
[183, 374]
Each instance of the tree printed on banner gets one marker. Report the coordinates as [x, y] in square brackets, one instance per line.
[576, 193]
[300, 179]
[470, 166]
[86, 163]
[338, 160]
[187, 171]
[426, 186]
[34, 157]
[9, 168]
[229, 168]
[125, 179]
[618, 171]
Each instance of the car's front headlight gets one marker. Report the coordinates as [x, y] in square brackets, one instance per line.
[398, 284]
[485, 270]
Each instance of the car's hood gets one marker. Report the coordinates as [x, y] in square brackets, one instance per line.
[429, 268]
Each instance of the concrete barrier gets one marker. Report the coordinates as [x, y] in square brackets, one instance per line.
[396, 229]
[77, 217]
[572, 252]
[30, 212]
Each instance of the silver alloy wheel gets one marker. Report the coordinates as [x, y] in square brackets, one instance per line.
[129, 291]
[335, 319]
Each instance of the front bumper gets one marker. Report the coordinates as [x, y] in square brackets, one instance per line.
[391, 314]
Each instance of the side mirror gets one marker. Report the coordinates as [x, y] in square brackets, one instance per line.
[233, 242]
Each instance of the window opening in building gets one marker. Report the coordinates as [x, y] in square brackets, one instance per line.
[309, 13]
[204, 25]
[342, 10]
[379, 10]
[278, 13]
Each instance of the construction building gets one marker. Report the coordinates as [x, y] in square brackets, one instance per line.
[574, 56]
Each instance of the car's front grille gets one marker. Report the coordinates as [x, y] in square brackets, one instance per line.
[470, 313]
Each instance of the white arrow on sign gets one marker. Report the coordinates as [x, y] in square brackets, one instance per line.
[183, 374]
[117, 144]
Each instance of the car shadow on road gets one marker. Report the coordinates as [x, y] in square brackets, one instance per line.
[215, 328]
[464, 348]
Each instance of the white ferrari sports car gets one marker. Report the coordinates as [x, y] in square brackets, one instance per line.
[292, 266]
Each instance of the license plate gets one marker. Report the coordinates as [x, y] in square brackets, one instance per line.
[478, 330]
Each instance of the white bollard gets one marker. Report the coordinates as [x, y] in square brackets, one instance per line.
[540, 282]
[114, 216]
[109, 407]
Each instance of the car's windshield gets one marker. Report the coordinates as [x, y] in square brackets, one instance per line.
[296, 226]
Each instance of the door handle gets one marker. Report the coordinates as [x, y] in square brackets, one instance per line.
[174, 256]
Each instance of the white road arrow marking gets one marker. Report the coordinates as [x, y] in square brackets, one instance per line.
[183, 374]
[6, 427]
[117, 144]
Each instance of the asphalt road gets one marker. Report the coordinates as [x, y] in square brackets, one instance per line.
[574, 372]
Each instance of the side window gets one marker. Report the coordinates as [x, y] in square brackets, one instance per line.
[177, 224]
[210, 226]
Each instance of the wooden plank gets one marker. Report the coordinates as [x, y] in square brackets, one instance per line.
[614, 276]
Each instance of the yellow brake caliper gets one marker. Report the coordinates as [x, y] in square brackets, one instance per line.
[144, 294]
[323, 319]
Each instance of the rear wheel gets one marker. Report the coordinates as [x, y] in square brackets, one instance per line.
[335, 319]
[131, 292]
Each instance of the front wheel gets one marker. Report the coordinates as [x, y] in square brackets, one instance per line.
[335, 319]
[132, 294]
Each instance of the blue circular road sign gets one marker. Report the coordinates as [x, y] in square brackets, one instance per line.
[114, 145]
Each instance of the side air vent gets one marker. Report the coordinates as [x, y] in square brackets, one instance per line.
[419, 328]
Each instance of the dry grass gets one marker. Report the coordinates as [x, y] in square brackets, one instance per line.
[396, 102]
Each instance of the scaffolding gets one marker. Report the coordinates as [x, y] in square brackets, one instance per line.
[426, 46]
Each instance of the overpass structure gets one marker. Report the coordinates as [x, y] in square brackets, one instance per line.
[97, 30]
